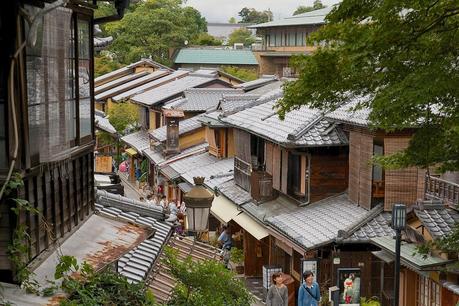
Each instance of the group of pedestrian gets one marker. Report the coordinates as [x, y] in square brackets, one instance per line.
[308, 294]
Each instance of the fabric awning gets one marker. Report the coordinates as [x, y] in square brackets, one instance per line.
[131, 152]
[223, 209]
[251, 226]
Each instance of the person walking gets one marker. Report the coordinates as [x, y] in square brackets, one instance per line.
[278, 292]
[309, 292]
[225, 241]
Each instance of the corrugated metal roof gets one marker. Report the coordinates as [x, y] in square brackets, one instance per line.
[132, 84]
[129, 69]
[150, 85]
[185, 126]
[201, 99]
[305, 125]
[138, 140]
[409, 256]
[119, 81]
[309, 18]
[318, 223]
[215, 173]
[171, 89]
[156, 157]
[215, 56]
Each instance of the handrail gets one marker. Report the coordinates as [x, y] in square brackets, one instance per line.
[442, 189]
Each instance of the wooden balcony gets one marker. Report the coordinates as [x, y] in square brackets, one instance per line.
[215, 151]
[242, 171]
[440, 189]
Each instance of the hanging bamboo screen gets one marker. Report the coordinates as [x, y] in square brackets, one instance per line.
[401, 185]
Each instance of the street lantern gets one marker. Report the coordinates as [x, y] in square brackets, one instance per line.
[398, 224]
[399, 217]
[198, 202]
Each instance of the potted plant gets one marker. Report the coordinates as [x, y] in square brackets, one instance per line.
[373, 301]
[237, 257]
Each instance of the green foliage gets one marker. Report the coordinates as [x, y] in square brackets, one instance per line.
[447, 244]
[152, 28]
[241, 36]
[373, 301]
[232, 20]
[251, 15]
[304, 9]
[105, 138]
[84, 286]
[401, 56]
[237, 255]
[123, 115]
[205, 283]
[241, 73]
[104, 64]
[205, 39]
[18, 249]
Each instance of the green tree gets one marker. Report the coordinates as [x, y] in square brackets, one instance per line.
[104, 64]
[152, 28]
[251, 15]
[122, 116]
[204, 283]
[232, 20]
[205, 39]
[241, 36]
[304, 9]
[402, 57]
[241, 73]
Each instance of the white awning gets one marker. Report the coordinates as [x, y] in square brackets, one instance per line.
[251, 226]
[223, 209]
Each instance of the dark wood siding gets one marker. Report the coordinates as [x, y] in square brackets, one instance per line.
[52, 190]
[242, 159]
[276, 167]
[329, 172]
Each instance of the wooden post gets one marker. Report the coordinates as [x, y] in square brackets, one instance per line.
[132, 170]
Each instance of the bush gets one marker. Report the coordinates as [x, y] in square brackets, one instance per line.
[237, 256]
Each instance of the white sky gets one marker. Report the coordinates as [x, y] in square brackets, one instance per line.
[223, 10]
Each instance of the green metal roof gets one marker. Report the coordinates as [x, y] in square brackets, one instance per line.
[309, 18]
[215, 56]
[417, 261]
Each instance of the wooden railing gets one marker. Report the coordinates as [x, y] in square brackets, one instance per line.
[242, 171]
[441, 189]
[217, 152]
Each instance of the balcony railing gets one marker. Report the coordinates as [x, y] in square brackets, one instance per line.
[242, 171]
[217, 152]
[438, 188]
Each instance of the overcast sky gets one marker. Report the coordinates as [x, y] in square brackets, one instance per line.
[223, 10]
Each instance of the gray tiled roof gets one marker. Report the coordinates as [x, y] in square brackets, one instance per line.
[131, 84]
[318, 223]
[201, 99]
[150, 85]
[195, 161]
[174, 88]
[307, 126]
[279, 206]
[376, 227]
[185, 126]
[212, 119]
[348, 114]
[215, 173]
[157, 158]
[104, 124]
[137, 263]
[138, 140]
[233, 103]
[264, 80]
[266, 88]
[170, 172]
[438, 220]
[235, 193]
